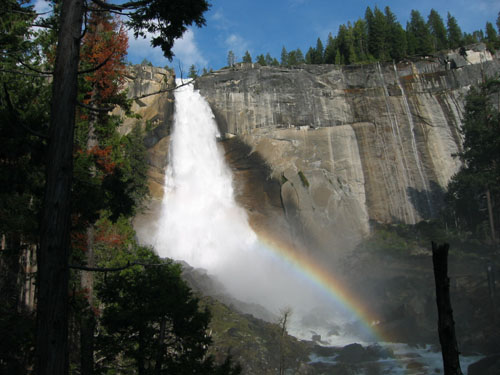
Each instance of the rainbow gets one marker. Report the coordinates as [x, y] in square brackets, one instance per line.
[321, 278]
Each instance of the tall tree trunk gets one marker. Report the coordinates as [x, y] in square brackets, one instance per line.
[53, 272]
[446, 324]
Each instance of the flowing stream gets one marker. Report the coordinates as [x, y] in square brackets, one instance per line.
[202, 225]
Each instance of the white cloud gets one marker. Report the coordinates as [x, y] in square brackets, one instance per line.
[186, 50]
[43, 7]
[140, 49]
[237, 44]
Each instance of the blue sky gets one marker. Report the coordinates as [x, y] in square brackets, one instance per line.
[266, 26]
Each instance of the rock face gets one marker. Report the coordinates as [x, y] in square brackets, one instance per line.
[156, 116]
[351, 144]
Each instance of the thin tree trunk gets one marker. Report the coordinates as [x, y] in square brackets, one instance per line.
[53, 271]
[87, 322]
[490, 217]
[446, 324]
[161, 347]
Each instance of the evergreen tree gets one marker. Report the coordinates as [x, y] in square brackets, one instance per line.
[299, 56]
[480, 173]
[151, 16]
[396, 36]
[420, 34]
[330, 50]
[261, 60]
[247, 58]
[345, 45]
[269, 59]
[438, 31]
[498, 22]
[193, 72]
[310, 56]
[360, 39]
[377, 34]
[319, 51]
[284, 57]
[492, 40]
[454, 33]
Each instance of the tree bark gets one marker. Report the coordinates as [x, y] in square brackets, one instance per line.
[53, 271]
[446, 324]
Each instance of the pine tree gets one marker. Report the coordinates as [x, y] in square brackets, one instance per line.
[152, 16]
[247, 58]
[455, 36]
[261, 60]
[492, 40]
[330, 50]
[377, 34]
[193, 72]
[310, 56]
[319, 51]
[438, 31]
[360, 39]
[269, 59]
[480, 173]
[396, 36]
[284, 57]
[420, 34]
[299, 56]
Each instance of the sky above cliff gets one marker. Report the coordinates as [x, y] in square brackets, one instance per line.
[266, 26]
[262, 26]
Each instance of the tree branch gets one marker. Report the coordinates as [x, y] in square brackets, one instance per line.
[33, 69]
[93, 109]
[13, 113]
[97, 67]
[115, 269]
[163, 90]
[38, 75]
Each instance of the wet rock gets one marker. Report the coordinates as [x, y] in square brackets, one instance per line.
[486, 366]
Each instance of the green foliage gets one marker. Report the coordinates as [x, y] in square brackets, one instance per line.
[150, 321]
[438, 31]
[492, 39]
[419, 35]
[284, 57]
[261, 60]
[454, 32]
[167, 21]
[247, 58]
[480, 174]
[193, 72]
[303, 179]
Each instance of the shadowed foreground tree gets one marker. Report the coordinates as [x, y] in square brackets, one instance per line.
[446, 324]
[474, 192]
[168, 21]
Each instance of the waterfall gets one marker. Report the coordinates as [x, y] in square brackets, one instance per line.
[202, 224]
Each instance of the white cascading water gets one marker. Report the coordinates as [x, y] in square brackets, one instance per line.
[202, 224]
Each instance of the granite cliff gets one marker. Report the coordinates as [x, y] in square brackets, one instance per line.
[320, 151]
[348, 144]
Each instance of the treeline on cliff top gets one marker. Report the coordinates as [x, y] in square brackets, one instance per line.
[380, 37]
